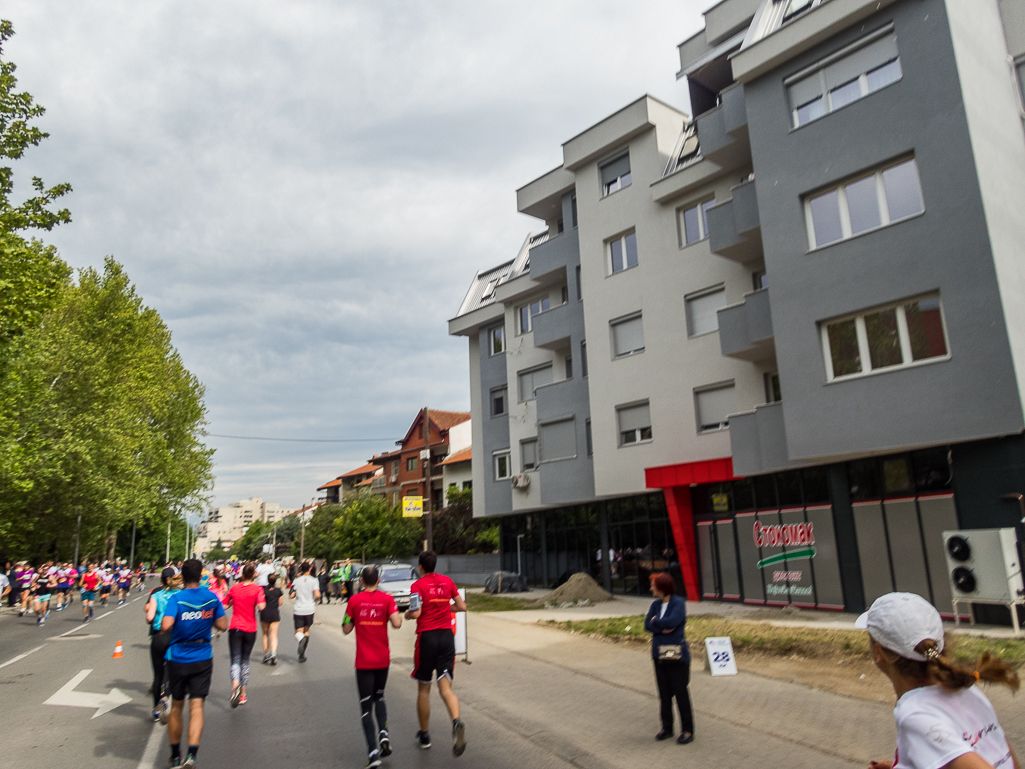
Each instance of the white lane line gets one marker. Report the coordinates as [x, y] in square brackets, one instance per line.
[149, 755]
[74, 630]
[12, 660]
[106, 615]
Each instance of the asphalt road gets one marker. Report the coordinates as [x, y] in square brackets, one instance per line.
[296, 715]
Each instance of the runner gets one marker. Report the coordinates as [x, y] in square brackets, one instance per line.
[435, 647]
[140, 575]
[72, 576]
[369, 613]
[263, 570]
[270, 619]
[306, 592]
[347, 578]
[89, 582]
[5, 586]
[170, 583]
[46, 584]
[26, 577]
[124, 583]
[106, 583]
[62, 585]
[191, 614]
[245, 598]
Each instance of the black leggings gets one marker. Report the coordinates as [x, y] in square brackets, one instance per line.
[158, 644]
[672, 679]
[241, 645]
[371, 696]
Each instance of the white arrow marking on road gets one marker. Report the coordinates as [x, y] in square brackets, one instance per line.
[104, 703]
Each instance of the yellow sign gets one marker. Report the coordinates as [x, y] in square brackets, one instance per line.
[720, 503]
[412, 507]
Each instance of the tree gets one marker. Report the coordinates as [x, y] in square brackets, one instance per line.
[456, 531]
[250, 546]
[369, 527]
[321, 540]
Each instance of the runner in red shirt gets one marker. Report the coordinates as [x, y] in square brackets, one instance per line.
[89, 582]
[432, 597]
[369, 613]
[246, 598]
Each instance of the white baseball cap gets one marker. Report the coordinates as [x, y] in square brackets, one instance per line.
[901, 621]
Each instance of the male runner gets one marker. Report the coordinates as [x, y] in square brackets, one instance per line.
[435, 647]
[369, 613]
[5, 586]
[263, 570]
[190, 613]
[89, 582]
[306, 592]
[347, 578]
[141, 576]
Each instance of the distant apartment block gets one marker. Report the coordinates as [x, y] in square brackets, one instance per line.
[227, 524]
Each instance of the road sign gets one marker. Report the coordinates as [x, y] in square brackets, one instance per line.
[268, 548]
[412, 507]
[721, 661]
[104, 703]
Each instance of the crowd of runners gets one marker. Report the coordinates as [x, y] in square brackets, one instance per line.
[190, 608]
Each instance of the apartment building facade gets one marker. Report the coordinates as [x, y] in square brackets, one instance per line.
[795, 315]
[229, 523]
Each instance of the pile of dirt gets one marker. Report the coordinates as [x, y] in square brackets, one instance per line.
[580, 588]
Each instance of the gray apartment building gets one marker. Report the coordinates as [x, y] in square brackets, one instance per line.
[775, 346]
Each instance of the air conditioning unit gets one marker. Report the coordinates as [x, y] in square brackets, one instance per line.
[425, 454]
[520, 481]
[393, 477]
[983, 565]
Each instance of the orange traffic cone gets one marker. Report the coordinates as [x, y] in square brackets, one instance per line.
[117, 652]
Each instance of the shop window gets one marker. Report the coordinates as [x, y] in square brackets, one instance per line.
[765, 492]
[816, 485]
[896, 475]
[788, 485]
[932, 469]
[743, 495]
[863, 477]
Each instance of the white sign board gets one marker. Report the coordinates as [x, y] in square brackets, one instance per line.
[459, 626]
[267, 548]
[721, 661]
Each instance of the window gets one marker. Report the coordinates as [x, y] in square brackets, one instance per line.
[797, 7]
[467, 485]
[395, 467]
[634, 423]
[759, 280]
[528, 454]
[693, 222]
[615, 175]
[559, 440]
[573, 209]
[496, 339]
[569, 367]
[627, 335]
[702, 310]
[583, 358]
[890, 337]
[565, 294]
[533, 378]
[489, 290]
[528, 311]
[623, 253]
[503, 468]
[499, 401]
[587, 437]
[772, 392]
[713, 405]
[411, 463]
[843, 78]
[885, 197]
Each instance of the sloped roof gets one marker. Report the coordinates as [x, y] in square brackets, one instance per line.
[362, 470]
[444, 420]
[482, 288]
[330, 484]
[459, 456]
[367, 482]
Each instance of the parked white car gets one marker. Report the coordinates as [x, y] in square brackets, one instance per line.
[396, 579]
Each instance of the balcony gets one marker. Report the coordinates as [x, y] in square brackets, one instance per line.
[561, 252]
[758, 441]
[734, 228]
[723, 130]
[745, 329]
[552, 328]
[566, 480]
[565, 398]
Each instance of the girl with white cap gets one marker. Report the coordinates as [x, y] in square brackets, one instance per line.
[943, 720]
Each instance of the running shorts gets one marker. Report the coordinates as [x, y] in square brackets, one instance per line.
[43, 597]
[435, 653]
[302, 621]
[104, 589]
[191, 678]
[63, 590]
[88, 595]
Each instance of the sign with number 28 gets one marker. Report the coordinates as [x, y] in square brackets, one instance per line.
[721, 661]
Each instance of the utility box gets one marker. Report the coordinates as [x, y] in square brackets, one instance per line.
[983, 565]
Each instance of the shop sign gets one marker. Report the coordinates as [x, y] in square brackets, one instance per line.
[412, 507]
[800, 536]
[720, 502]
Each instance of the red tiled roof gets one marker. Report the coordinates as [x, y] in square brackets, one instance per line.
[363, 470]
[367, 482]
[448, 419]
[330, 484]
[459, 456]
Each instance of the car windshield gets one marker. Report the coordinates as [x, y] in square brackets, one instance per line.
[396, 575]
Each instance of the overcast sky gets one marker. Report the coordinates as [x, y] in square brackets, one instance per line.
[305, 189]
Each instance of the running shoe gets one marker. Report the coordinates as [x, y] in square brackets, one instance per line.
[21, 612]
[165, 710]
[266, 659]
[385, 743]
[235, 697]
[274, 659]
[374, 759]
[85, 619]
[243, 700]
[458, 737]
[175, 762]
[423, 739]
[190, 761]
[156, 714]
[302, 648]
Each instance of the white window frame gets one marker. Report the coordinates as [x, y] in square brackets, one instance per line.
[537, 458]
[496, 457]
[532, 370]
[681, 213]
[505, 401]
[498, 332]
[845, 215]
[543, 304]
[612, 335]
[608, 253]
[617, 184]
[862, 335]
[638, 438]
[729, 384]
[687, 299]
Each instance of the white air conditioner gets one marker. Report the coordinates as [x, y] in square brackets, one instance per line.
[425, 454]
[393, 477]
[520, 481]
[983, 565]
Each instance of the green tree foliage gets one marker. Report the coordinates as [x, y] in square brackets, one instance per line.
[250, 546]
[456, 532]
[32, 277]
[369, 527]
[321, 540]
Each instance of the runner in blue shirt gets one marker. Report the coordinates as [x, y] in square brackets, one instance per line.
[190, 614]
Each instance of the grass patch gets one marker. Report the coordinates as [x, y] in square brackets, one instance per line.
[760, 637]
[488, 602]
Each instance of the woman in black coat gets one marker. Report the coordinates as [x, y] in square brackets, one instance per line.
[665, 621]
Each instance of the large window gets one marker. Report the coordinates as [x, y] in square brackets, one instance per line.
[622, 253]
[615, 175]
[693, 222]
[499, 401]
[627, 335]
[558, 440]
[411, 463]
[528, 311]
[503, 467]
[531, 379]
[496, 340]
[703, 310]
[713, 405]
[845, 77]
[900, 335]
[883, 197]
[634, 423]
[528, 454]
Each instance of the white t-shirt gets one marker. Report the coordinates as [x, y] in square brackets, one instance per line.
[935, 726]
[261, 573]
[304, 587]
[4, 582]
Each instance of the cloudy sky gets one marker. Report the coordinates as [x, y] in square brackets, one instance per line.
[305, 189]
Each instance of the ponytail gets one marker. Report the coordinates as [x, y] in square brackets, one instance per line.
[954, 676]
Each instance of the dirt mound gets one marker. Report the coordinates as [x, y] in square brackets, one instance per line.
[579, 588]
